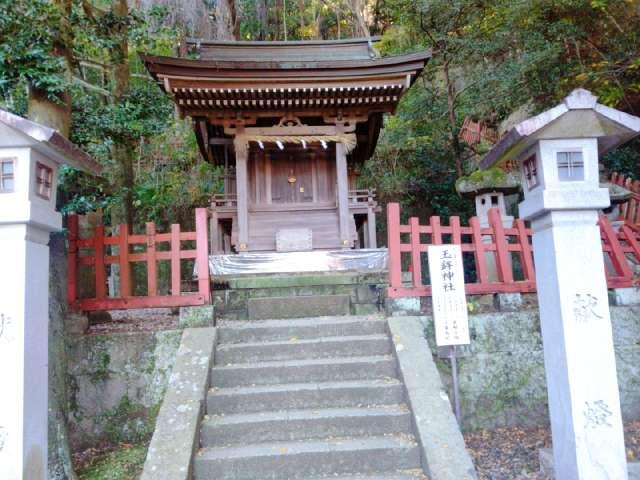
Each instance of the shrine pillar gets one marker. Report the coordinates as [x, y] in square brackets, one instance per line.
[242, 152]
[342, 176]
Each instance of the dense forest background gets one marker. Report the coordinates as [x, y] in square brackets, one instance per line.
[74, 64]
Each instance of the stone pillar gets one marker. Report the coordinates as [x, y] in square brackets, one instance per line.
[343, 196]
[557, 151]
[24, 320]
[584, 404]
[242, 148]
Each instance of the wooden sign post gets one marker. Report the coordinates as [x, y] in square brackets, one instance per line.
[449, 305]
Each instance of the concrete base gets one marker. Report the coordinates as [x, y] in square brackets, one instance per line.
[625, 296]
[192, 317]
[545, 456]
[402, 306]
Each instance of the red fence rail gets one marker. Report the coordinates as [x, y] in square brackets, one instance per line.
[100, 258]
[507, 251]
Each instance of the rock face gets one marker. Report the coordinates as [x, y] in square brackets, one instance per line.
[117, 382]
[59, 459]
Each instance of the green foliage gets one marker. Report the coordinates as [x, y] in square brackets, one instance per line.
[123, 463]
[30, 30]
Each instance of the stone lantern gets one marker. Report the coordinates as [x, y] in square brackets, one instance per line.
[29, 158]
[557, 152]
[488, 189]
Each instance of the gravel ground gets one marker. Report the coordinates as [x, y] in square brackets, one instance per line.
[512, 453]
[139, 320]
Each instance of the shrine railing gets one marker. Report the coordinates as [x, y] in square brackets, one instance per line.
[629, 210]
[100, 253]
[496, 259]
[224, 201]
[363, 196]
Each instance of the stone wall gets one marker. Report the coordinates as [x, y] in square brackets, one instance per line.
[116, 385]
[502, 380]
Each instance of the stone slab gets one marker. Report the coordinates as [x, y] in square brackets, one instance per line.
[444, 456]
[170, 453]
[294, 240]
[297, 307]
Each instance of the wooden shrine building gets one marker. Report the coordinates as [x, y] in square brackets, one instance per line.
[292, 122]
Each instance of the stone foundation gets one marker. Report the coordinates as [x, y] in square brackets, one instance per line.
[364, 292]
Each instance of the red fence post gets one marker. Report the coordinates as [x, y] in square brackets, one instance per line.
[479, 250]
[617, 256]
[123, 260]
[202, 254]
[152, 272]
[436, 231]
[526, 251]
[98, 252]
[416, 265]
[502, 249]
[393, 243]
[175, 259]
[72, 260]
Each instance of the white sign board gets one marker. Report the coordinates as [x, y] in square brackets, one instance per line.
[447, 293]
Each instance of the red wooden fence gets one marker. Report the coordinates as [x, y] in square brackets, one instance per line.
[497, 245]
[629, 210]
[99, 244]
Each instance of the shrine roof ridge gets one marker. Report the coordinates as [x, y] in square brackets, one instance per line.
[361, 40]
[162, 65]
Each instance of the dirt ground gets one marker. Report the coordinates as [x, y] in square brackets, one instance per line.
[512, 453]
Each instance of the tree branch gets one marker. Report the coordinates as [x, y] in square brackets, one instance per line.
[91, 87]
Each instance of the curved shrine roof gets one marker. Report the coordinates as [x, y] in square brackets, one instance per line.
[228, 82]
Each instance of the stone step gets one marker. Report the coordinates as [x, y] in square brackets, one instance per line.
[298, 306]
[416, 474]
[304, 396]
[354, 345]
[303, 328]
[310, 370]
[302, 460]
[289, 425]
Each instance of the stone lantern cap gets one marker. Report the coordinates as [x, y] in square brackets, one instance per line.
[486, 181]
[578, 116]
[50, 142]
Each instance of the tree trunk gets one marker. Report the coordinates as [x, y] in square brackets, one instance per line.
[56, 113]
[227, 24]
[261, 16]
[360, 27]
[121, 150]
[453, 124]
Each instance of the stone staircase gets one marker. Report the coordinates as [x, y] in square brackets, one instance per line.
[309, 398]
